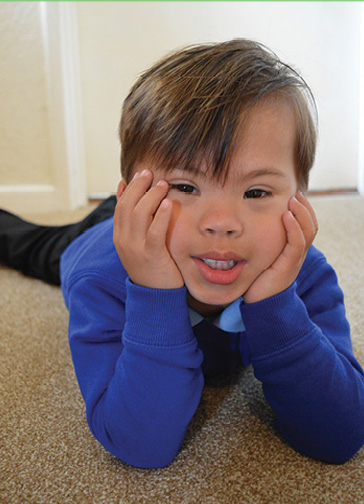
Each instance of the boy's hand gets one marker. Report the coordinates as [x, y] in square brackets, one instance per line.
[301, 228]
[141, 222]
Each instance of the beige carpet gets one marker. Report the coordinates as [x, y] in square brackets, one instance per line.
[231, 454]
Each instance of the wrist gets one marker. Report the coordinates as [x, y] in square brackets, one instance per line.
[160, 283]
[275, 322]
[154, 316]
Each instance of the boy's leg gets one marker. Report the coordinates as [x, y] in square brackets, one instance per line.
[36, 250]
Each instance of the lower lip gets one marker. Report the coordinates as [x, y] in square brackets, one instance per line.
[220, 277]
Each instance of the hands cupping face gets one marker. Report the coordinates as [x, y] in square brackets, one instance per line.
[141, 221]
[301, 227]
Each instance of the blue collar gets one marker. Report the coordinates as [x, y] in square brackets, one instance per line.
[229, 320]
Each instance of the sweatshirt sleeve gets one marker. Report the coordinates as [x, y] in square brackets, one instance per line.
[138, 366]
[300, 347]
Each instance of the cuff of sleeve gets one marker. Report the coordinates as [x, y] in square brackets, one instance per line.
[157, 316]
[275, 322]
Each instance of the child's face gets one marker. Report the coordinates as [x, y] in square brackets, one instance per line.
[222, 236]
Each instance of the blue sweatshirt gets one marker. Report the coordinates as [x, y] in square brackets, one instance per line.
[140, 365]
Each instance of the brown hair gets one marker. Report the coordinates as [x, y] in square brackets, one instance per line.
[188, 108]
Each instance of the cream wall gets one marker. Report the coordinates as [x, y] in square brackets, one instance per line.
[25, 152]
[118, 40]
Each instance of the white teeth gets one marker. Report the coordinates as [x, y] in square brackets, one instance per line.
[219, 265]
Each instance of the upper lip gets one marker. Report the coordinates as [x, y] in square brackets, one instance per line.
[219, 256]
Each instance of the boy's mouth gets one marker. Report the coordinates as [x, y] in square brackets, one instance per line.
[222, 269]
[219, 265]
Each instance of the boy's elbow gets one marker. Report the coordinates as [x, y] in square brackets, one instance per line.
[348, 440]
[336, 446]
[338, 452]
[142, 451]
[342, 455]
[144, 458]
[145, 462]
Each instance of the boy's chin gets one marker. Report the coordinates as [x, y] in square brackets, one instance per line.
[209, 305]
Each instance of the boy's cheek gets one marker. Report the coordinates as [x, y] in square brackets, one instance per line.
[273, 239]
[278, 239]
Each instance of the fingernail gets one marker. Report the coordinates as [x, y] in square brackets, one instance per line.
[162, 183]
[165, 203]
[144, 172]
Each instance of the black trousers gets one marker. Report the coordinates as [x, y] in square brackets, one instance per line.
[36, 250]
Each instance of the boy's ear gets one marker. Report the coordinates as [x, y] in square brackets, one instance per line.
[121, 188]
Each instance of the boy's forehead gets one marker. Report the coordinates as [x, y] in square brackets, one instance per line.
[266, 135]
[266, 138]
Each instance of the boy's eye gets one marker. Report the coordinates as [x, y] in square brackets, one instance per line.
[257, 193]
[185, 188]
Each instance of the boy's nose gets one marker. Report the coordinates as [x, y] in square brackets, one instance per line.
[221, 220]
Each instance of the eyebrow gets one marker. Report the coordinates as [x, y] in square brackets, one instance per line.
[245, 177]
[264, 172]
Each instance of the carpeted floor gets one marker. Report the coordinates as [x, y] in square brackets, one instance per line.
[231, 454]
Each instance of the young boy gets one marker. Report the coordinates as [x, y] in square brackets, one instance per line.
[207, 265]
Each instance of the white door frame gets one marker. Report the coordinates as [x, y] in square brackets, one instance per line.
[65, 101]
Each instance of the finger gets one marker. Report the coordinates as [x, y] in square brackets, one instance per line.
[150, 202]
[157, 232]
[293, 254]
[146, 208]
[302, 199]
[296, 246]
[305, 217]
[136, 189]
[130, 197]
